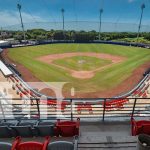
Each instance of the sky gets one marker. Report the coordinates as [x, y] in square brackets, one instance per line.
[36, 11]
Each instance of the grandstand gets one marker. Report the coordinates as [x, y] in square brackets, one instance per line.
[111, 53]
[16, 120]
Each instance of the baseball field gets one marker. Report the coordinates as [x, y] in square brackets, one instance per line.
[89, 68]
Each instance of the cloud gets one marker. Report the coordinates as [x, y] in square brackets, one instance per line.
[8, 18]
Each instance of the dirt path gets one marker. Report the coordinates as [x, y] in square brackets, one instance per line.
[81, 74]
[123, 87]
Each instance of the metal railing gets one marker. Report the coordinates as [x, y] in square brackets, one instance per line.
[86, 109]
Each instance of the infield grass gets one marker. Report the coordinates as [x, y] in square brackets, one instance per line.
[82, 63]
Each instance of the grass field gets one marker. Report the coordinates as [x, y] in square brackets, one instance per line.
[103, 80]
[84, 63]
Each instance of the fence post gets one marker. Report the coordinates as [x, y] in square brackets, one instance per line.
[104, 109]
[134, 107]
[71, 110]
[38, 108]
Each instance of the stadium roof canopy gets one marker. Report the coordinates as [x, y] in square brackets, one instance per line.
[4, 69]
[4, 43]
[1, 41]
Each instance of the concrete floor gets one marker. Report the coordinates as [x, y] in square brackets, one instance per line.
[106, 128]
[107, 135]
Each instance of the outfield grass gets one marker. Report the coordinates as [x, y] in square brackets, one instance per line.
[103, 80]
[84, 63]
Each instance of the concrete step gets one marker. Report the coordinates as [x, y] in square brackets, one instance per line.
[95, 141]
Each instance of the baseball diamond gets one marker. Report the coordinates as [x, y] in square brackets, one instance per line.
[92, 69]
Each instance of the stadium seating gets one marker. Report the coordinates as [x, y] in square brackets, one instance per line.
[140, 127]
[24, 131]
[38, 128]
[32, 145]
[9, 123]
[5, 146]
[45, 129]
[67, 128]
[114, 104]
[61, 145]
[141, 91]
[56, 104]
[5, 132]
[84, 106]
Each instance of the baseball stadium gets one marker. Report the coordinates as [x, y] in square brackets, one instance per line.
[72, 84]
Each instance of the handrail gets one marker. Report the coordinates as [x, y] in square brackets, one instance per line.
[96, 110]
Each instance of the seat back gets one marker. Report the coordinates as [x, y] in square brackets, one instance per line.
[5, 146]
[60, 145]
[45, 130]
[146, 129]
[140, 127]
[67, 130]
[27, 122]
[23, 131]
[5, 132]
[30, 146]
[46, 123]
[9, 123]
[141, 122]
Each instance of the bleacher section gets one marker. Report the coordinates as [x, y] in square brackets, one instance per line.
[28, 124]
[18, 144]
[38, 128]
[82, 108]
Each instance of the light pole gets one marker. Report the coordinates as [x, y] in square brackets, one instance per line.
[19, 8]
[100, 22]
[142, 8]
[63, 19]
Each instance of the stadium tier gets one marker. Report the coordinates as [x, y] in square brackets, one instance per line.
[70, 123]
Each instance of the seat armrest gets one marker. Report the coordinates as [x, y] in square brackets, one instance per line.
[78, 123]
[46, 142]
[133, 126]
[15, 143]
[57, 123]
[75, 143]
[37, 123]
[56, 131]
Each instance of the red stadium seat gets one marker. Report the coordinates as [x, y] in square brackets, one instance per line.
[11, 78]
[58, 105]
[87, 106]
[144, 95]
[31, 145]
[115, 104]
[140, 127]
[135, 92]
[107, 106]
[67, 128]
[16, 79]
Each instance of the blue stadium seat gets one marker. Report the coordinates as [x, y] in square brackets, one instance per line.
[60, 145]
[44, 130]
[5, 132]
[5, 146]
[23, 131]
